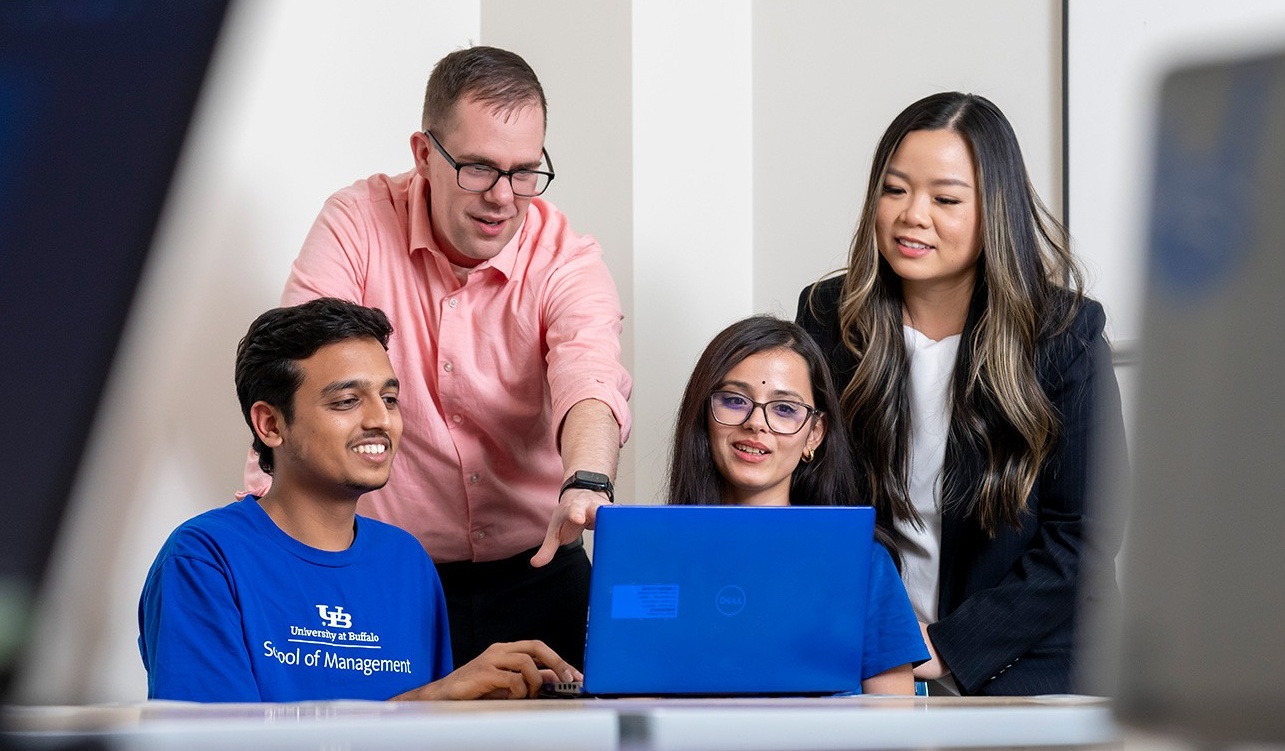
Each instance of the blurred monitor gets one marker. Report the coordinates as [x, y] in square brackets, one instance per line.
[95, 98]
[1204, 583]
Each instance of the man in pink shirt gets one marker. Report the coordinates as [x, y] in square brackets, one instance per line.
[507, 344]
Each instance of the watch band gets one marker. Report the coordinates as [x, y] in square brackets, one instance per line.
[586, 480]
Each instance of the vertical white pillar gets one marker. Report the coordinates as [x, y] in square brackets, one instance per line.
[693, 203]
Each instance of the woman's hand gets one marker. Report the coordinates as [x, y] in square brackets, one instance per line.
[935, 668]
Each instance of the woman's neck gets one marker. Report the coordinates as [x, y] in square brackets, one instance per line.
[936, 312]
[766, 498]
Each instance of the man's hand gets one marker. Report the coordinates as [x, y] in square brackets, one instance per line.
[575, 513]
[935, 668]
[514, 670]
[589, 441]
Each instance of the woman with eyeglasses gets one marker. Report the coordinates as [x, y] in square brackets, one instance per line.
[979, 392]
[754, 429]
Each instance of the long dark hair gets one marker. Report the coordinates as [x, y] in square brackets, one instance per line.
[693, 477]
[1028, 287]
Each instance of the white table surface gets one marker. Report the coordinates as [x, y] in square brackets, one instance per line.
[824, 724]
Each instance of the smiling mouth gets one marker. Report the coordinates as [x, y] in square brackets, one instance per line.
[370, 448]
[491, 220]
[750, 450]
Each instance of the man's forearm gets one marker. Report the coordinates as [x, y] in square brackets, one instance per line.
[590, 439]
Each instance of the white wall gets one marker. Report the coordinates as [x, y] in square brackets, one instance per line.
[674, 126]
[693, 212]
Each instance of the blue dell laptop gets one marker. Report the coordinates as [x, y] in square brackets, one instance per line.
[727, 601]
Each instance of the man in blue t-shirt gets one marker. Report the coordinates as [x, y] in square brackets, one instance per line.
[292, 596]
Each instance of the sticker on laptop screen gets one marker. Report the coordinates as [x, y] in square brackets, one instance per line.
[644, 601]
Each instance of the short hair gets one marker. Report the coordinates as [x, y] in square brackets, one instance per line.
[492, 76]
[267, 357]
[693, 476]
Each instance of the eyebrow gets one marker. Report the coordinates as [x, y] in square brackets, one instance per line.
[474, 159]
[939, 181]
[777, 394]
[357, 383]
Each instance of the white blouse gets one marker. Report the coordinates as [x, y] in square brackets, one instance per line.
[931, 365]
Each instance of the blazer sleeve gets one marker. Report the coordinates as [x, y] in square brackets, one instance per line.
[818, 314]
[997, 625]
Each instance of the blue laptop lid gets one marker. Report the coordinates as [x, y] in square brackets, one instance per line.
[727, 600]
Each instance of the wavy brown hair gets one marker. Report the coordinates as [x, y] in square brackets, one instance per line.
[1028, 288]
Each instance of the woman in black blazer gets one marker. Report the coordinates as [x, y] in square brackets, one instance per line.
[979, 392]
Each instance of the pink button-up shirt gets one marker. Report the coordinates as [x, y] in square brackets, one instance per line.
[488, 367]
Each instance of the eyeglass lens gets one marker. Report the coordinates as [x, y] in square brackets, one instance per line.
[785, 417]
[479, 178]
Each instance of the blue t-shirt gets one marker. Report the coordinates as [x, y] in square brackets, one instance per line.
[892, 631]
[234, 609]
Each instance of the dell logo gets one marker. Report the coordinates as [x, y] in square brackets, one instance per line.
[730, 600]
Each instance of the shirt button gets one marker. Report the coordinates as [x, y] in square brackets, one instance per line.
[479, 535]
[453, 302]
[474, 478]
[448, 367]
[457, 419]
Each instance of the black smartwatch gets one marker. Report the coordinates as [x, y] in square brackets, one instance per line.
[589, 481]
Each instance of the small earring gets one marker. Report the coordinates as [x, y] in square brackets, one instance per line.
[809, 455]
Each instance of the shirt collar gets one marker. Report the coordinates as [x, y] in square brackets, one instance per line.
[421, 230]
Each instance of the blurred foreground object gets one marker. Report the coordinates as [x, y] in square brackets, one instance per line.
[1204, 580]
[96, 96]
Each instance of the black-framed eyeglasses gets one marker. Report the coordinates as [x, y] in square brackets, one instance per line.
[783, 416]
[479, 178]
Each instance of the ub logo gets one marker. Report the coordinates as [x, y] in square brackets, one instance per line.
[336, 618]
